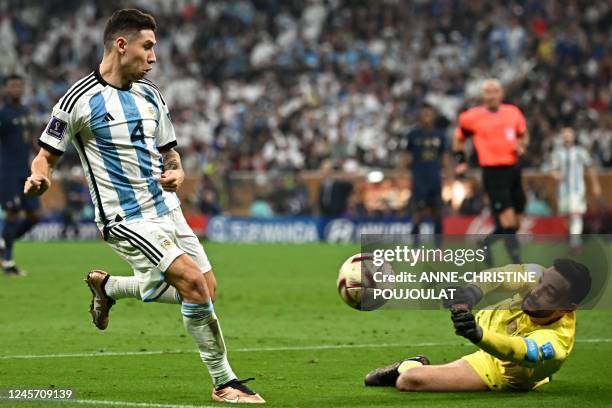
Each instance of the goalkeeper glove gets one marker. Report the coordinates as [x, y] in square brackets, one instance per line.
[465, 325]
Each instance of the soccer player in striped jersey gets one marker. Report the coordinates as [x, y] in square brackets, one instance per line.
[121, 128]
[568, 163]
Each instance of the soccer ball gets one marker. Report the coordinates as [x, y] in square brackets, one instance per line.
[357, 285]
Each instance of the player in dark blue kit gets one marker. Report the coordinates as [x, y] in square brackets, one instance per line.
[16, 134]
[426, 148]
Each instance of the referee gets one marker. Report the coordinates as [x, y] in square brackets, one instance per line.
[500, 136]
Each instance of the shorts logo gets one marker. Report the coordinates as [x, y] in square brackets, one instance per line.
[164, 242]
[56, 128]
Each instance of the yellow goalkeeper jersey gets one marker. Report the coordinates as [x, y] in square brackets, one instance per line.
[515, 352]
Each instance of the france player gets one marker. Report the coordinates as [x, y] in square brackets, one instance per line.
[522, 340]
[568, 164]
[426, 148]
[16, 141]
[121, 128]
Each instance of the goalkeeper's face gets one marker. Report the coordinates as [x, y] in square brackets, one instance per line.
[139, 56]
[549, 297]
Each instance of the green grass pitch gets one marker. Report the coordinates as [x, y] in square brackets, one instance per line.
[283, 322]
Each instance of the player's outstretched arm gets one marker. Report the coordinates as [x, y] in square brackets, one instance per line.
[42, 167]
[173, 175]
[519, 350]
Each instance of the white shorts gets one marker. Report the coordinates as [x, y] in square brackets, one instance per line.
[572, 203]
[151, 245]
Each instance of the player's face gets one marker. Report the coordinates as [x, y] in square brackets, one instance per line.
[549, 296]
[427, 117]
[492, 94]
[14, 89]
[139, 55]
[568, 136]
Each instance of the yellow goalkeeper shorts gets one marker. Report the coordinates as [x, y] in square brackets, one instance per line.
[491, 371]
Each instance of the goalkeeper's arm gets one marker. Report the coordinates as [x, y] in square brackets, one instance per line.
[519, 350]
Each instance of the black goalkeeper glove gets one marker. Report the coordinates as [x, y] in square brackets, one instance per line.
[465, 325]
[469, 295]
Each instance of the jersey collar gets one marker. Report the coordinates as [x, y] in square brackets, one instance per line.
[103, 82]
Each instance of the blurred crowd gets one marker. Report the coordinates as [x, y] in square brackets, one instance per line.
[277, 85]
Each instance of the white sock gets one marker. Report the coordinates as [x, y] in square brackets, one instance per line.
[202, 324]
[121, 287]
[575, 230]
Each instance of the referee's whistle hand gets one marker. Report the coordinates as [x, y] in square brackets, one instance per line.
[36, 184]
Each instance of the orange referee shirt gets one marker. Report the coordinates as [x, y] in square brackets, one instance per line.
[494, 133]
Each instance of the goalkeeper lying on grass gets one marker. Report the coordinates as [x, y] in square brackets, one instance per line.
[523, 340]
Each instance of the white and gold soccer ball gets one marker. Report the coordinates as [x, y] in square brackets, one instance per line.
[360, 281]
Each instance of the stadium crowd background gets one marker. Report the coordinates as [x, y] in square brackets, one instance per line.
[276, 87]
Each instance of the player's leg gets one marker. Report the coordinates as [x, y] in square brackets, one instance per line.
[577, 207]
[11, 222]
[197, 291]
[451, 377]
[435, 209]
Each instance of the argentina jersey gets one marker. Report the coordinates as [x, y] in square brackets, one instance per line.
[571, 162]
[118, 134]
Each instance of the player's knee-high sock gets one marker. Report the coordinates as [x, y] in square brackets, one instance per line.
[512, 244]
[415, 231]
[121, 287]
[438, 232]
[23, 226]
[8, 234]
[202, 323]
[575, 230]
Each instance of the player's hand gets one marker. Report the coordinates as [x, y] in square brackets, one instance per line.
[36, 184]
[461, 169]
[521, 150]
[171, 180]
[469, 295]
[465, 324]
[597, 191]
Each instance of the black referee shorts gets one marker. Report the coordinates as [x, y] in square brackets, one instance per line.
[504, 188]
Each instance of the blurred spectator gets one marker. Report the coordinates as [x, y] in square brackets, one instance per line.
[260, 207]
[208, 197]
[334, 193]
[264, 85]
[536, 205]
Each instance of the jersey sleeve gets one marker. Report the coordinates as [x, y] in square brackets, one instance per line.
[60, 130]
[521, 124]
[463, 130]
[165, 137]
[555, 160]
[533, 350]
[586, 158]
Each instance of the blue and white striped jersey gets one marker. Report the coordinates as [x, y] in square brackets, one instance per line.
[118, 134]
[571, 162]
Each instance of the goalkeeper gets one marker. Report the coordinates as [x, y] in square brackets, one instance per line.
[523, 340]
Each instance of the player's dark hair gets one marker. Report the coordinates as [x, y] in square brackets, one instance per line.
[11, 77]
[126, 21]
[578, 275]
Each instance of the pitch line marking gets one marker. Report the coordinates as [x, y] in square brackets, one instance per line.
[258, 349]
